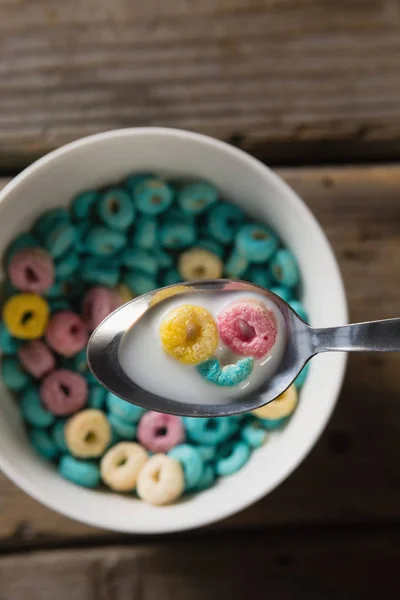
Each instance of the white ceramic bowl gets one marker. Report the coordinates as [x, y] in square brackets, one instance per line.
[107, 157]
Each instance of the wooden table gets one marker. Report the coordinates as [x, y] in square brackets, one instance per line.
[294, 82]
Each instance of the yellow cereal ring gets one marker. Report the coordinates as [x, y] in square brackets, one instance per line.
[88, 433]
[167, 293]
[198, 263]
[189, 334]
[120, 466]
[124, 293]
[161, 480]
[281, 407]
[26, 316]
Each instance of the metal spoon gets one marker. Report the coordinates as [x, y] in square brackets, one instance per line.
[303, 342]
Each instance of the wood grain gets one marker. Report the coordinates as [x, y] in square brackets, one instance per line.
[251, 71]
[352, 475]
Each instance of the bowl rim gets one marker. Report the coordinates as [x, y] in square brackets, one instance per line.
[222, 511]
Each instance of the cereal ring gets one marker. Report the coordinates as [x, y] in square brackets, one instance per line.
[43, 444]
[229, 375]
[140, 283]
[81, 472]
[97, 397]
[208, 430]
[8, 344]
[67, 265]
[178, 235]
[146, 233]
[247, 328]
[82, 230]
[82, 204]
[49, 220]
[191, 462]
[212, 246]
[71, 288]
[232, 457]
[236, 264]
[123, 409]
[195, 198]
[160, 480]
[153, 196]
[98, 303]
[63, 392]
[87, 433]
[33, 411]
[258, 276]
[97, 271]
[282, 292]
[274, 424]
[60, 239]
[66, 333]
[59, 436]
[207, 479]
[26, 316]
[299, 310]
[164, 260]
[284, 268]
[171, 277]
[102, 241]
[197, 263]
[207, 453]
[189, 334]
[120, 466]
[281, 407]
[115, 209]
[22, 242]
[159, 432]
[36, 358]
[134, 181]
[163, 294]
[123, 429]
[14, 377]
[143, 260]
[223, 221]
[302, 376]
[253, 434]
[256, 243]
[31, 270]
[58, 304]
[124, 293]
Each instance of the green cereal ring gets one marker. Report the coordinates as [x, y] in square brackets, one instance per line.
[146, 233]
[8, 343]
[284, 268]
[49, 220]
[60, 239]
[96, 397]
[60, 290]
[236, 265]
[171, 277]
[207, 479]
[153, 196]
[299, 309]
[122, 409]
[22, 242]
[14, 376]
[67, 265]
[123, 429]
[82, 204]
[81, 472]
[104, 242]
[97, 271]
[207, 453]
[302, 376]
[82, 230]
[207, 431]
[142, 260]
[256, 242]
[259, 276]
[57, 433]
[139, 283]
[232, 457]
[223, 221]
[195, 198]
[43, 444]
[33, 411]
[282, 292]
[191, 461]
[227, 376]
[132, 182]
[178, 235]
[115, 209]
[253, 434]
[211, 246]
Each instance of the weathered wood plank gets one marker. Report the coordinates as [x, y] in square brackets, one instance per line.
[338, 566]
[256, 71]
[352, 475]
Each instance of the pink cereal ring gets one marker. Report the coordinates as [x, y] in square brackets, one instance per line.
[98, 303]
[247, 328]
[158, 432]
[36, 358]
[63, 392]
[66, 333]
[32, 270]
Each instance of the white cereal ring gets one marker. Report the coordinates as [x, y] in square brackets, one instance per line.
[281, 407]
[198, 263]
[88, 433]
[161, 480]
[120, 466]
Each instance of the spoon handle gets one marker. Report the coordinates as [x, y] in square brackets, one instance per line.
[374, 336]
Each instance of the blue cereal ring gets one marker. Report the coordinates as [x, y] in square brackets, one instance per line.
[67, 265]
[299, 309]
[140, 283]
[163, 258]
[33, 411]
[49, 220]
[8, 343]
[122, 409]
[206, 480]
[195, 198]
[256, 242]
[223, 221]
[142, 260]
[171, 277]
[22, 242]
[58, 435]
[273, 424]
[123, 429]
[229, 375]
[14, 376]
[212, 246]
[82, 204]
[98, 271]
[208, 431]
[96, 397]
[236, 265]
[283, 292]
[146, 233]
[134, 181]
[258, 275]
[302, 376]
[82, 472]
[177, 235]
[43, 444]
[191, 461]
[60, 239]
[115, 208]
[284, 268]
[153, 196]
[253, 434]
[104, 242]
[207, 453]
[232, 457]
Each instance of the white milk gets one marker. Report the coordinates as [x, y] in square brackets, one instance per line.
[145, 362]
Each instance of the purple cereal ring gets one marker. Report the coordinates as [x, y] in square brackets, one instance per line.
[159, 433]
[66, 333]
[36, 358]
[98, 303]
[63, 392]
[32, 270]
